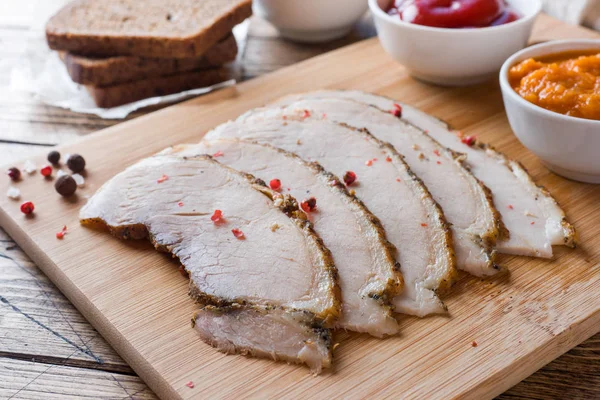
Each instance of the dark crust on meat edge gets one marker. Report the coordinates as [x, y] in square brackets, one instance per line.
[487, 240]
[570, 237]
[498, 231]
[502, 232]
[318, 329]
[393, 287]
[439, 218]
[570, 234]
[289, 206]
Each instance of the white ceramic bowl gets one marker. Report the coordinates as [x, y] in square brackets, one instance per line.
[567, 145]
[453, 57]
[311, 20]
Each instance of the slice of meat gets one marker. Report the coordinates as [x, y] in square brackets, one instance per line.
[368, 273]
[236, 259]
[412, 220]
[466, 203]
[253, 330]
[532, 216]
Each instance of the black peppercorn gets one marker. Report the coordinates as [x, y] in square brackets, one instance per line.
[53, 157]
[14, 173]
[76, 163]
[65, 185]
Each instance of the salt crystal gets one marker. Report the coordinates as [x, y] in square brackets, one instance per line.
[79, 180]
[13, 193]
[60, 173]
[29, 167]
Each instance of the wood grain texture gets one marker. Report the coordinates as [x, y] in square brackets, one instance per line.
[38, 322]
[42, 381]
[574, 375]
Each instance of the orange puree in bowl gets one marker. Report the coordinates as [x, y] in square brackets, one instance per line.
[567, 83]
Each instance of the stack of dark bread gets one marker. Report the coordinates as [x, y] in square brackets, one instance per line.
[128, 50]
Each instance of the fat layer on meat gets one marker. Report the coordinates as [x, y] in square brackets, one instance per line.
[466, 202]
[533, 219]
[170, 200]
[412, 220]
[368, 273]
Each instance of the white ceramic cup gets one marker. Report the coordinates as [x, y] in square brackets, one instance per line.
[567, 145]
[311, 20]
[453, 57]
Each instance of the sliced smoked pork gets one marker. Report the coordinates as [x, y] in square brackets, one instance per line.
[412, 220]
[532, 216]
[368, 274]
[219, 223]
[466, 203]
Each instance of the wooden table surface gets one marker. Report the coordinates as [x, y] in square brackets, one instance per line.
[47, 349]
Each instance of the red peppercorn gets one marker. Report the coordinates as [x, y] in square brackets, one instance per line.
[27, 208]
[190, 384]
[14, 173]
[423, 224]
[436, 152]
[368, 163]
[62, 233]
[388, 159]
[396, 111]
[217, 215]
[510, 207]
[306, 114]
[275, 184]
[469, 140]
[349, 178]
[238, 233]
[162, 179]
[309, 205]
[46, 170]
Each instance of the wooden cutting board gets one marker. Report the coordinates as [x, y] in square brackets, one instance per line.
[138, 301]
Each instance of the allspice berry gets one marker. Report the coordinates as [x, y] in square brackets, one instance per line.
[53, 157]
[65, 185]
[76, 163]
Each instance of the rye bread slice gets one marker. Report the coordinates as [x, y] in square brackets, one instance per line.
[151, 28]
[121, 69]
[116, 95]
